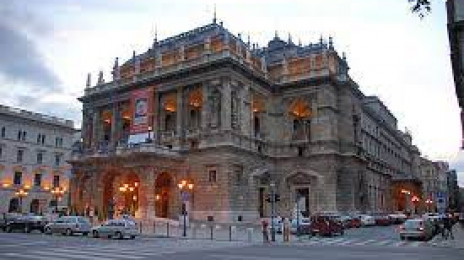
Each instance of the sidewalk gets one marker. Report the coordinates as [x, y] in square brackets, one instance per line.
[458, 242]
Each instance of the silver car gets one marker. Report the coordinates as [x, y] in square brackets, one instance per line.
[119, 228]
[416, 228]
[69, 225]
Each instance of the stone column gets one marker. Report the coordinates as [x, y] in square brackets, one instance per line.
[179, 114]
[114, 125]
[155, 123]
[96, 128]
[226, 105]
[204, 107]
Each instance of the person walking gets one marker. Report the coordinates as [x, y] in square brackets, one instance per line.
[286, 230]
[265, 227]
[448, 226]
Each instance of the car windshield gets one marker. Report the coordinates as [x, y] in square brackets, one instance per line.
[412, 224]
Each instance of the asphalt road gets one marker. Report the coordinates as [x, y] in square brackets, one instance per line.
[45, 247]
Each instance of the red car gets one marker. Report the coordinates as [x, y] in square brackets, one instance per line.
[355, 222]
[326, 225]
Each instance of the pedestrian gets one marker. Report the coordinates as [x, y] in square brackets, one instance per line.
[286, 230]
[448, 225]
[265, 226]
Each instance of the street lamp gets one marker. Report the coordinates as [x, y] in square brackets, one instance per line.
[415, 200]
[57, 194]
[185, 187]
[21, 193]
[428, 202]
[129, 192]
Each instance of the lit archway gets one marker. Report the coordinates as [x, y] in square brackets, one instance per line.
[163, 189]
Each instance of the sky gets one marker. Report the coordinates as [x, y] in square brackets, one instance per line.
[47, 47]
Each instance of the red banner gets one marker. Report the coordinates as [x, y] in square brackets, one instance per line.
[142, 107]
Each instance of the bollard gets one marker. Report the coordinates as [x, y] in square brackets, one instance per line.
[250, 234]
[154, 227]
[140, 227]
[212, 228]
[230, 233]
[167, 229]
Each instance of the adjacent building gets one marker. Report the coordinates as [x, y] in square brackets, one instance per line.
[455, 10]
[238, 123]
[33, 153]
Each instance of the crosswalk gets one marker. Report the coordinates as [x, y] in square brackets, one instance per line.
[320, 241]
[112, 252]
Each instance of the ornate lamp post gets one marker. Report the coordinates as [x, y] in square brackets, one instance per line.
[415, 200]
[21, 193]
[57, 194]
[428, 202]
[130, 193]
[185, 188]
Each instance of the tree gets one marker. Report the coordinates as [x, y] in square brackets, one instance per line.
[420, 7]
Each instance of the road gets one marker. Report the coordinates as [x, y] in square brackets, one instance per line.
[45, 247]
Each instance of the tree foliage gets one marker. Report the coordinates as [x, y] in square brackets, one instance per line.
[421, 7]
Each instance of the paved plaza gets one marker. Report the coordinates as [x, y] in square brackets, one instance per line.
[363, 243]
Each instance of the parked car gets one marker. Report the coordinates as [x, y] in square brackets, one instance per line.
[26, 223]
[69, 225]
[346, 221]
[326, 225]
[382, 219]
[304, 226]
[397, 218]
[355, 222]
[119, 228]
[367, 220]
[416, 228]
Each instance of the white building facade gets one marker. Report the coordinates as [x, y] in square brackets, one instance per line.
[34, 149]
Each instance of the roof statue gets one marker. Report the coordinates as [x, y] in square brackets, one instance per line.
[89, 81]
[101, 80]
[116, 69]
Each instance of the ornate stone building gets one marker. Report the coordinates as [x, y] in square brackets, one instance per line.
[236, 120]
[34, 149]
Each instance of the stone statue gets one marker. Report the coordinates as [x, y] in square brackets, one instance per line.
[215, 108]
[235, 110]
[101, 80]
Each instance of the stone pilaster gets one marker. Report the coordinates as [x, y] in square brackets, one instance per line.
[179, 115]
[226, 105]
[96, 128]
[114, 124]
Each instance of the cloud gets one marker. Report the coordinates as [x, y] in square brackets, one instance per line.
[21, 61]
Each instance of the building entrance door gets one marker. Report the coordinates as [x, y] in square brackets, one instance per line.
[163, 190]
[302, 199]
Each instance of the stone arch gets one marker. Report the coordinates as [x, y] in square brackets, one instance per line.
[34, 207]
[14, 205]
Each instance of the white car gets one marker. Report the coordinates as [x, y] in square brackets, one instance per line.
[118, 228]
[367, 220]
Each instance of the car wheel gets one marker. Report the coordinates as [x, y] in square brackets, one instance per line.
[95, 234]
[342, 232]
[402, 238]
[119, 235]
[132, 237]
[85, 233]
[109, 236]
[48, 231]
[27, 229]
[9, 229]
[69, 232]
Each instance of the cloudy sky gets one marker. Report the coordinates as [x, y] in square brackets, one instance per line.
[47, 48]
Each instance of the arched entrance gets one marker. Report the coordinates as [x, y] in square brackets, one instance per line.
[14, 205]
[34, 207]
[303, 187]
[163, 189]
